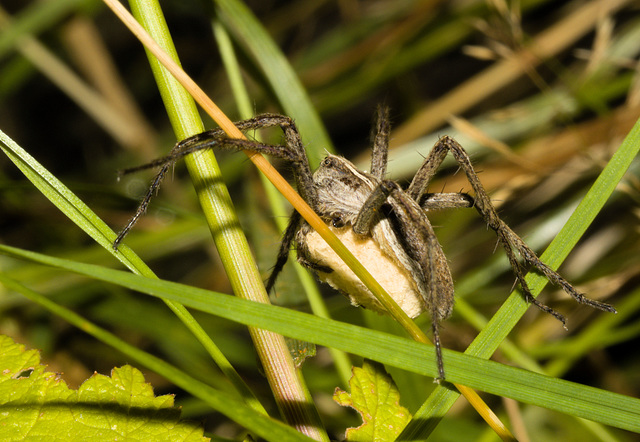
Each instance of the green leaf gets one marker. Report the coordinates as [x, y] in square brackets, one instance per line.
[38, 405]
[375, 396]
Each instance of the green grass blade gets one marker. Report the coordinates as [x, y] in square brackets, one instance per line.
[78, 212]
[522, 385]
[295, 101]
[36, 18]
[291, 395]
[512, 310]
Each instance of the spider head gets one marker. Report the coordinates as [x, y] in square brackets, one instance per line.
[342, 188]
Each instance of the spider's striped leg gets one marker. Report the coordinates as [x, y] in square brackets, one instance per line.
[507, 237]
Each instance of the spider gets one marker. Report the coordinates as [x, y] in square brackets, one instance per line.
[384, 226]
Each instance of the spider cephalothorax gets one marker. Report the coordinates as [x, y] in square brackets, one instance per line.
[384, 226]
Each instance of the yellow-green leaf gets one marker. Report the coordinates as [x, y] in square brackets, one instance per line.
[38, 405]
[375, 396]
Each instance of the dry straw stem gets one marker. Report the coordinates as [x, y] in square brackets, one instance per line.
[549, 43]
[552, 151]
[299, 204]
[73, 86]
[94, 60]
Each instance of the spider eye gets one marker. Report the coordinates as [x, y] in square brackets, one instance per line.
[337, 222]
[327, 162]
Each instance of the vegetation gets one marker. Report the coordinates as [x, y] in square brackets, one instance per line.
[543, 94]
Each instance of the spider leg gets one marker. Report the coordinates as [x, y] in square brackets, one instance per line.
[189, 145]
[142, 208]
[438, 201]
[418, 232]
[311, 265]
[509, 239]
[293, 151]
[369, 211]
[285, 247]
[421, 245]
[380, 141]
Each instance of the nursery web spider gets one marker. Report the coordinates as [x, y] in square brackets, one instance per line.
[385, 226]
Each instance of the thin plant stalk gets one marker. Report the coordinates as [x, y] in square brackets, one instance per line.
[317, 304]
[291, 395]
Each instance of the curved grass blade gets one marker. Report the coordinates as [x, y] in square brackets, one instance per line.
[488, 340]
[522, 385]
[78, 212]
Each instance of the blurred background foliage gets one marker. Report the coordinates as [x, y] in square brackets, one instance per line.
[539, 92]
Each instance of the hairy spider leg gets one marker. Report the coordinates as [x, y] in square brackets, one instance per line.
[380, 141]
[293, 151]
[142, 207]
[295, 221]
[434, 262]
[438, 201]
[509, 239]
[417, 230]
